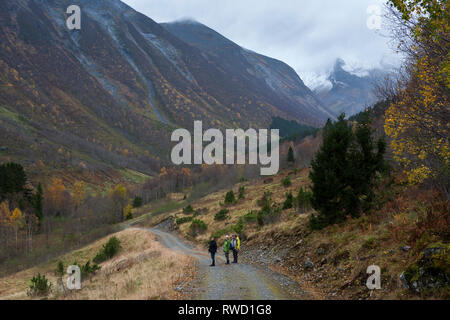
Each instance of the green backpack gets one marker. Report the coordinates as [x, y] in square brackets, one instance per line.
[226, 246]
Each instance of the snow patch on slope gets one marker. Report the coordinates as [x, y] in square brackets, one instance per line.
[170, 53]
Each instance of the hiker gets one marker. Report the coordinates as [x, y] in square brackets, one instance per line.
[226, 248]
[213, 250]
[235, 246]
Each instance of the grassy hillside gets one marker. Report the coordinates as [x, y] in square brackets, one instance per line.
[330, 263]
[142, 269]
[107, 96]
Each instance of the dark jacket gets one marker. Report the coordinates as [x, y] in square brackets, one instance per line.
[213, 246]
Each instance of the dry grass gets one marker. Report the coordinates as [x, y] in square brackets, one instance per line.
[347, 249]
[142, 269]
[341, 253]
[254, 190]
[411, 217]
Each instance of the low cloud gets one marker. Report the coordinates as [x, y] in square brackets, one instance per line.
[308, 35]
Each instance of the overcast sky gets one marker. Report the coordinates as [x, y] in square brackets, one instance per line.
[306, 34]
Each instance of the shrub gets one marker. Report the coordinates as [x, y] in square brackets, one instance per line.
[250, 217]
[112, 247]
[370, 243]
[188, 209]
[60, 269]
[100, 257]
[286, 182]
[266, 200]
[87, 269]
[221, 215]
[268, 216]
[183, 220]
[241, 192]
[127, 214]
[108, 250]
[197, 226]
[289, 202]
[304, 200]
[219, 233]
[137, 202]
[290, 157]
[238, 227]
[260, 218]
[229, 197]
[235, 228]
[39, 286]
[269, 212]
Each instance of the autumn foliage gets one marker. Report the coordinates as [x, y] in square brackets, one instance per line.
[418, 118]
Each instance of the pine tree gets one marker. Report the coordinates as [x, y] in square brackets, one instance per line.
[38, 202]
[344, 172]
[290, 157]
[241, 192]
[137, 202]
[229, 197]
[289, 202]
[303, 200]
[12, 179]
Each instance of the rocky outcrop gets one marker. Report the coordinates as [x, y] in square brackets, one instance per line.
[431, 271]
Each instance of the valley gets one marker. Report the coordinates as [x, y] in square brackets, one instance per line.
[107, 96]
[281, 259]
[123, 152]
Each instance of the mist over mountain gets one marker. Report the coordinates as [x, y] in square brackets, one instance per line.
[262, 75]
[349, 91]
[110, 94]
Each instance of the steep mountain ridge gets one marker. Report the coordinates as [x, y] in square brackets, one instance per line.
[350, 92]
[265, 76]
[108, 95]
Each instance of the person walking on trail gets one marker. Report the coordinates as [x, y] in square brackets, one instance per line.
[226, 248]
[213, 250]
[235, 246]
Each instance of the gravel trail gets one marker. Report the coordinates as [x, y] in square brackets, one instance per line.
[231, 282]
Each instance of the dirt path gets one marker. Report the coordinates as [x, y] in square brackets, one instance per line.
[234, 281]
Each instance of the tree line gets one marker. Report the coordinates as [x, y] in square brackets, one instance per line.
[33, 219]
[52, 218]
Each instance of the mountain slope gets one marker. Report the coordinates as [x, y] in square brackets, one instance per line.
[350, 93]
[269, 79]
[107, 96]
